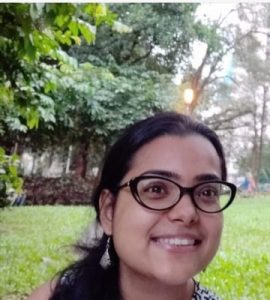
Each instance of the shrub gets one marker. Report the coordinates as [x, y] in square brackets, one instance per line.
[64, 190]
[10, 181]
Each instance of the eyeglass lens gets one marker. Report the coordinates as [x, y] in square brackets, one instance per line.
[158, 193]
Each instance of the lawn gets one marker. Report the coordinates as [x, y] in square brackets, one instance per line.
[34, 245]
[241, 271]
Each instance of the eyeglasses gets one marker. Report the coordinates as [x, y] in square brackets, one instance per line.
[159, 193]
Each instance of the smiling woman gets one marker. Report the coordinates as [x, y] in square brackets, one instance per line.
[159, 202]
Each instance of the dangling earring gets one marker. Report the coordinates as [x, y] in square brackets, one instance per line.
[105, 260]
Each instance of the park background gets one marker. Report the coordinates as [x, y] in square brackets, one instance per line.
[73, 75]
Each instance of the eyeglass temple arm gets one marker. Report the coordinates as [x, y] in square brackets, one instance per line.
[124, 185]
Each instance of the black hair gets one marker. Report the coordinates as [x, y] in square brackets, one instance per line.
[86, 279]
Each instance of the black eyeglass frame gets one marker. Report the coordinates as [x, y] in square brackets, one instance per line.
[132, 184]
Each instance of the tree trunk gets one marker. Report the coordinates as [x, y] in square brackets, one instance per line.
[254, 150]
[80, 158]
[33, 169]
[67, 160]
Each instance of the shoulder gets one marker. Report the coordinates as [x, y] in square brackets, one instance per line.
[202, 293]
[43, 292]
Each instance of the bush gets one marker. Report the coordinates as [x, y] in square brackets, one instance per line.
[9, 178]
[64, 190]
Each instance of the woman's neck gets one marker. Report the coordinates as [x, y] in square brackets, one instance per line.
[135, 287]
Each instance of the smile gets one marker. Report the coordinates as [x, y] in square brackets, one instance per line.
[176, 241]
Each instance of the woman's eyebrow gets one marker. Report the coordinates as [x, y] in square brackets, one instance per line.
[205, 177]
[164, 173]
[175, 176]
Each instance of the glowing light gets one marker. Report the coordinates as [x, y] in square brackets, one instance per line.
[188, 96]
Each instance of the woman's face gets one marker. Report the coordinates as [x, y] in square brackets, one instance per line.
[168, 246]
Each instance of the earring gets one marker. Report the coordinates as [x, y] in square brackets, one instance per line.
[105, 260]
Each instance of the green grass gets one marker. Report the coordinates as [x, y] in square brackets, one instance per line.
[241, 269]
[34, 245]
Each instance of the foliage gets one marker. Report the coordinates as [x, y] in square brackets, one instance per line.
[90, 101]
[36, 34]
[99, 107]
[160, 39]
[9, 178]
[34, 244]
[32, 40]
[107, 91]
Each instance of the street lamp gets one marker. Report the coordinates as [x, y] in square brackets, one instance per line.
[188, 98]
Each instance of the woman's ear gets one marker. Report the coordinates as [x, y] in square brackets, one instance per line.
[106, 208]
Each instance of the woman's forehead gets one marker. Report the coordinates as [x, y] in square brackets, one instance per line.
[177, 154]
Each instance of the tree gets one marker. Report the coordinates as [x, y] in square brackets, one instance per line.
[219, 40]
[141, 62]
[239, 97]
[253, 60]
[108, 90]
[159, 39]
[241, 104]
[32, 37]
[93, 111]
[31, 42]
[210, 82]
[96, 90]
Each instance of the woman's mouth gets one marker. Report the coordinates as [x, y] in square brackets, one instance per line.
[177, 243]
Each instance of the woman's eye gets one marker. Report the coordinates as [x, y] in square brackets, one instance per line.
[155, 189]
[209, 193]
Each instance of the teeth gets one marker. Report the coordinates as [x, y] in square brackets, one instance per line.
[176, 242]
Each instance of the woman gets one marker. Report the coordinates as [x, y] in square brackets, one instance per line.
[159, 202]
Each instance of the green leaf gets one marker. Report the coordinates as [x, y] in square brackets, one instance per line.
[87, 30]
[30, 50]
[101, 10]
[50, 87]
[66, 68]
[73, 26]
[60, 20]
[13, 170]
[63, 37]
[2, 152]
[32, 118]
[45, 42]
[77, 40]
[6, 93]
[89, 8]
[14, 158]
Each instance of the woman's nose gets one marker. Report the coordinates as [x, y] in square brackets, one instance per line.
[184, 211]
